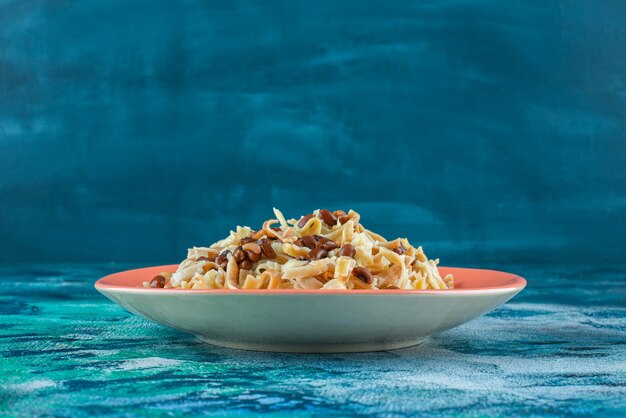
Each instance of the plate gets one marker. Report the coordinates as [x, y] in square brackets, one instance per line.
[313, 321]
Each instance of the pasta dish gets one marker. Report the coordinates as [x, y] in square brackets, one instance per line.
[321, 250]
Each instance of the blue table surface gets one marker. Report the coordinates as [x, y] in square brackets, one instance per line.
[557, 349]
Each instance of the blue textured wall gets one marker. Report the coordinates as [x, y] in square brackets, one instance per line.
[487, 131]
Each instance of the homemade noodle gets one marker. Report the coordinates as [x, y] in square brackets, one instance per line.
[322, 250]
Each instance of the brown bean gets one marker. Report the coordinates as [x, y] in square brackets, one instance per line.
[253, 251]
[304, 220]
[222, 259]
[328, 217]
[239, 254]
[329, 245]
[347, 251]
[266, 248]
[246, 265]
[245, 240]
[320, 238]
[317, 254]
[252, 256]
[157, 281]
[342, 216]
[323, 242]
[252, 246]
[363, 274]
[309, 241]
[399, 250]
[299, 242]
[390, 287]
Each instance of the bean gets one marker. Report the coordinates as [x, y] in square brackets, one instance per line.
[399, 250]
[363, 274]
[347, 251]
[390, 287]
[329, 245]
[246, 265]
[299, 242]
[252, 246]
[342, 216]
[328, 217]
[222, 259]
[320, 238]
[309, 241]
[324, 242]
[304, 220]
[254, 257]
[253, 250]
[266, 248]
[158, 281]
[245, 240]
[239, 254]
[317, 254]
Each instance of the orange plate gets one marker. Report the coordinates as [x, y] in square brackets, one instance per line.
[290, 319]
[465, 280]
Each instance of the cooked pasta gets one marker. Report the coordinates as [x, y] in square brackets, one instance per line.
[322, 250]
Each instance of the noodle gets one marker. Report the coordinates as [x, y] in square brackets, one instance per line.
[324, 250]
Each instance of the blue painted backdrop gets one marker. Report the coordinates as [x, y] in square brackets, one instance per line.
[130, 130]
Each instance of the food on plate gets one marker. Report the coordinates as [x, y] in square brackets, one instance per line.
[321, 250]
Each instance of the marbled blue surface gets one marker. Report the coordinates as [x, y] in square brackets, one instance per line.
[557, 349]
[492, 133]
[131, 130]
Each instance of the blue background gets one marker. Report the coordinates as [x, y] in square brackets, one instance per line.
[486, 131]
[491, 132]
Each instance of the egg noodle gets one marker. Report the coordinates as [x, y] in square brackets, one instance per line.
[322, 250]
